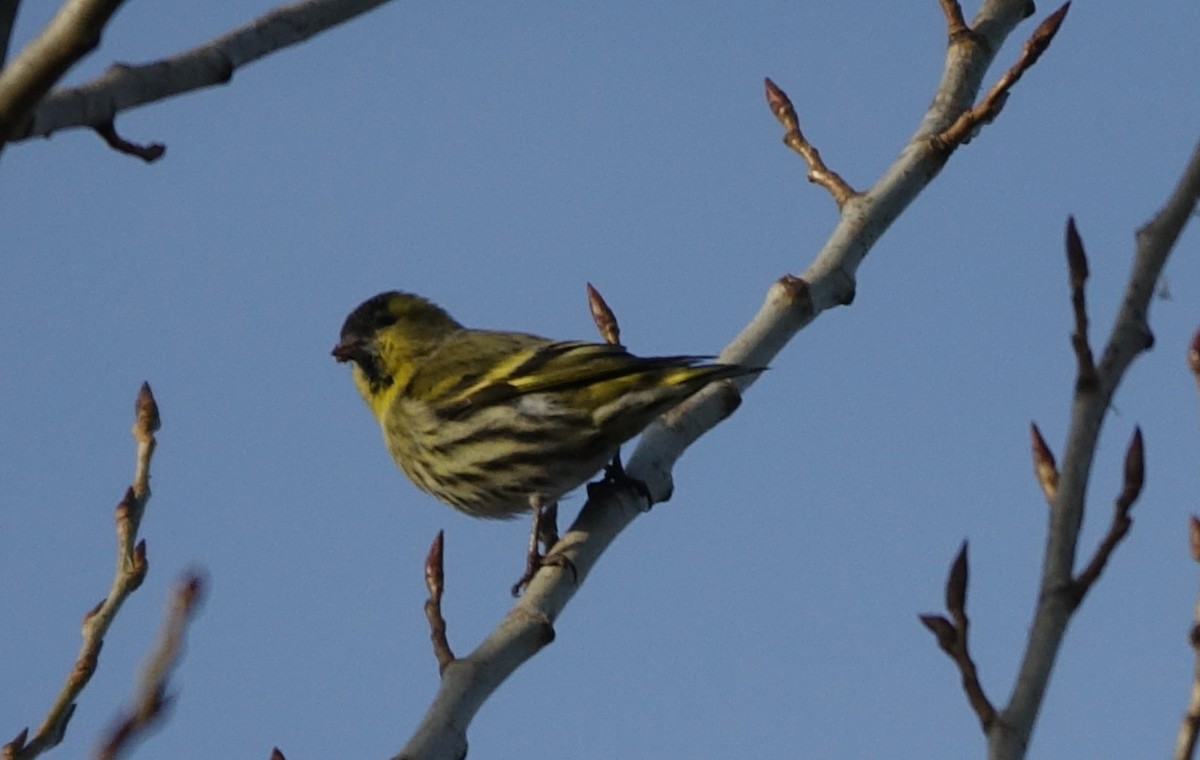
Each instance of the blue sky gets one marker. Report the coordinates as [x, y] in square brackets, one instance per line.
[496, 159]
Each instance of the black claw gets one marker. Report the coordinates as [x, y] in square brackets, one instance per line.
[615, 475]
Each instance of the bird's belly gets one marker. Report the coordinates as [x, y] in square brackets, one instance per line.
[489, 466]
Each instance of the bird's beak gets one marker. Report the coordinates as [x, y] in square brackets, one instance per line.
[347, 351]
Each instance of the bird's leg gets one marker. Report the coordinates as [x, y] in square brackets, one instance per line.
[545, 532]
[545, 526]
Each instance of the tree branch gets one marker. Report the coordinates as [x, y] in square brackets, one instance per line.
[152, 700]
[791, 303]
[71, 34]
[435, 584]
[818, 173]
[1059, 593]
[123, 87]
[131, 571]
[969, 122]
[952, 637]
[1135, 477]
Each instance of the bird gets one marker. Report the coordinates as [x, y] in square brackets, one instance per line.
[497, 423]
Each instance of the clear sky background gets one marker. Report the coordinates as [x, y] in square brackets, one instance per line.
[495, 159]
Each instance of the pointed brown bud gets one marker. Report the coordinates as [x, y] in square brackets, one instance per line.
[781, 105]
[956, 585]
[1044, 466]
[146, 409]
[603, 317]
[1044, 34]
[1077, 263]
[1194, 536]
[942, 628]
[276, 754]
[125, 507]
[434, 571]
[1135, 470]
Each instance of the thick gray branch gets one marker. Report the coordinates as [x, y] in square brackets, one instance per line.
[70, 35]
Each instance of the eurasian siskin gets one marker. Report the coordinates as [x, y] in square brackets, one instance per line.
[495, 423]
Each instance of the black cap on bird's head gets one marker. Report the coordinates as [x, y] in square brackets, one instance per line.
[409, 321]
[357, 340]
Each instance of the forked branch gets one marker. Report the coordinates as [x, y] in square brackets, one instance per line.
[26, 110]
[952, 638]
[131, 570]
[1096, 383]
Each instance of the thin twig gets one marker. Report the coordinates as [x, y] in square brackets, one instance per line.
[818, 173]
[151, 702]
[956, 25]
[952, 638]
[131, 571]
[965, 126]
[1135, 477]
[435, 583]
[148, 153]
[1077, 267]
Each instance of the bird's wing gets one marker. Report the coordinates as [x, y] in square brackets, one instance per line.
[546, 367]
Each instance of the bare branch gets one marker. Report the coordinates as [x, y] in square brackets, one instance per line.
[955, 23]
[818, 172]
[131, 571]
[1121, 521]
[965, 126]
[1077, 266]
[435, 583]
[1059, 590]
[152, 700]
[71, 34]
[148, 153]
[123, 87]
[952, 638]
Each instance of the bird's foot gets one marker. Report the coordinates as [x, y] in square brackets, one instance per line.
[545, 533]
